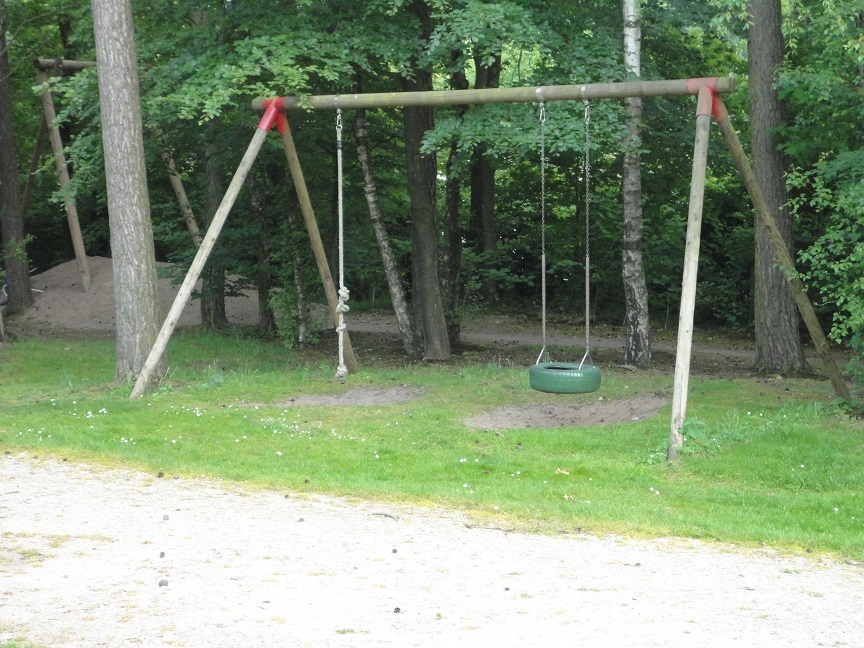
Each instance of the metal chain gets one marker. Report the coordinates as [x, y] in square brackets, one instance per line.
[342, 307]
[542, 225]
[587, 177]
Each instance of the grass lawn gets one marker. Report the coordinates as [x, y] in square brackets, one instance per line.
[767, 461]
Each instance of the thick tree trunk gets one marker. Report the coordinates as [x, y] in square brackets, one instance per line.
[637, 348]
[126, 176]
[407, 329]
[11, 206]
[778, 343]
[421, 172]
[483, 181]
[213, 315]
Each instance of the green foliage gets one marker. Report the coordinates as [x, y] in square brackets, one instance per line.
[202, 63]
[821, 82]
[835, 261]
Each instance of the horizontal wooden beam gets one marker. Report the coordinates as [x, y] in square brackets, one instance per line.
[62, 64]
[679, 87]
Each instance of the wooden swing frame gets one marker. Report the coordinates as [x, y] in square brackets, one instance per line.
[709, 105]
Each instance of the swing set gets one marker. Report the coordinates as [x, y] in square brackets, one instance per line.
[584, 376]
[565, 377]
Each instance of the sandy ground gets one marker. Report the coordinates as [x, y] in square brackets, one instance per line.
[61, 304]
[117, 558]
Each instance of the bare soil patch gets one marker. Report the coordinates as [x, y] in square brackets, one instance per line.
[582, 413]
[359, 396]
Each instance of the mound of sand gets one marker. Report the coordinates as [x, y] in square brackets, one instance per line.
[62, 304]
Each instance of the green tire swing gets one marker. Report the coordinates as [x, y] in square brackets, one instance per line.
[565, 377]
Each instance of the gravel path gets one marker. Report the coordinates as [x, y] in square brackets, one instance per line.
[84, 551]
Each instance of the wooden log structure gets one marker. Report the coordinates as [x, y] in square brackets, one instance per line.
[708, 91]
[587, 91]
[691, 267]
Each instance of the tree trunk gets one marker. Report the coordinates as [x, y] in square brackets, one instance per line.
[778, 343]
[407, 329]
[128, 203]
[213, 315]
[637, 348]
[263, 276]
[483, 181]
[421, 172]
[299, 278]
[452, 254]
[11, 206]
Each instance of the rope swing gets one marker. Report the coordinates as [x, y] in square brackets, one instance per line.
[564, 377]
[342, 306]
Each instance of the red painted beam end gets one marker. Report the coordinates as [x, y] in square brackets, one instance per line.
[271, 110]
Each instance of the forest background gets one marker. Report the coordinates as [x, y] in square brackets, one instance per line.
[200, 64]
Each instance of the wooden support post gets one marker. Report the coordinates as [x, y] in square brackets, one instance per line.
[314, 234]
[203, 253]
[781, 253]
[691, 266]
[63, 173]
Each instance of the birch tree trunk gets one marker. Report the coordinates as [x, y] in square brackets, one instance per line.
[128, 202]
[637, 349]
[11, 205]
[778, 343]
[410, 337]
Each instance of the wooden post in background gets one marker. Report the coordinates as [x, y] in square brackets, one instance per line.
[63, 174]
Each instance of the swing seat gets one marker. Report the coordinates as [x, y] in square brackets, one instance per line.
[564, 377]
